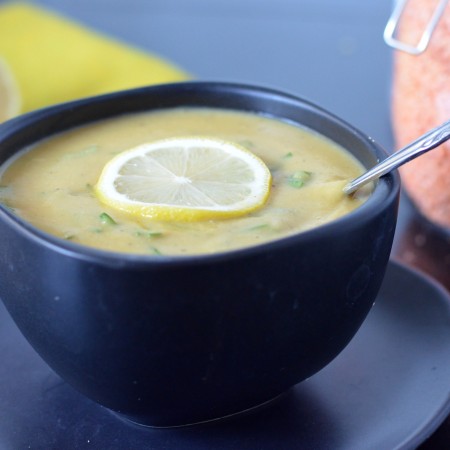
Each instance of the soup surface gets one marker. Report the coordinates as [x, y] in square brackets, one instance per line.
[51, 184]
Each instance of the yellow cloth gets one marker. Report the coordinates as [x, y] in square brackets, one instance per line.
[55, 60]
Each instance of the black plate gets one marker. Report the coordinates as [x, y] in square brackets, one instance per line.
[390, 388]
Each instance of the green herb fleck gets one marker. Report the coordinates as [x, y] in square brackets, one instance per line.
[149, 234]
[247, 143]
[106, 219]
[288, 155]
[84, 152]
[155, 251]
[5, 191]
[258, 227]
[8, 207]
[298, 179]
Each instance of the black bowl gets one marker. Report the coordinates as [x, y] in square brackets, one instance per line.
[175, 340]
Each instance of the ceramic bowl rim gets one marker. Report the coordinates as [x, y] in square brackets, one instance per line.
[385, 192]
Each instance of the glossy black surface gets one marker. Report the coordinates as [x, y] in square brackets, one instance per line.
[426, 248]
[387, 390]
[330, 52]
[170, 341]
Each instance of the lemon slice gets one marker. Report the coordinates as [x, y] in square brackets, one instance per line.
[9, 93]
[185, 179]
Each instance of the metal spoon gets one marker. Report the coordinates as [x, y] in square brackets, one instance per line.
[428, 141]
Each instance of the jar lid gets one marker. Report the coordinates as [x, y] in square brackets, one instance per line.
[390, 30]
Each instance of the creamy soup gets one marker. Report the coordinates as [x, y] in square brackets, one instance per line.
[51, 184]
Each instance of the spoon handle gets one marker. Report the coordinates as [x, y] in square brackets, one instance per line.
[428, 141]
